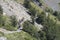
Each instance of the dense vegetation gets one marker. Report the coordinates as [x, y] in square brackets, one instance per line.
[6, 22]
[50, 23]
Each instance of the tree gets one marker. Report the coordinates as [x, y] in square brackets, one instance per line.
[41, 18]
[1, 11]
[47, 9]
[49, 30]
[30, 28]
[13, 21]
[42, 35]
[1, 16]
[58, 16]
[33, 14]
[26, 3]
[1, 20]
[59, 3]
[55, 13]
[35, 11]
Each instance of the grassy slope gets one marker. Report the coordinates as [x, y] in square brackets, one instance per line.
[19, 36]
[25, 36]
[1, 34]
[54, 18]
[39, 10]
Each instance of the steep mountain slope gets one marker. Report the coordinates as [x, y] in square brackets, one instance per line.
[53, 4]
[10, 7]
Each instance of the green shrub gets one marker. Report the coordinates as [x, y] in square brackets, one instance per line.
[10, 28]
[9, 24]
[1, 15]
[1, 10]
[41, 18]
[49, 30]
[28, 27]
[34, 9]
[13, 21]
[20, 36]
[1, 34]
[26, 3]
[48, 9]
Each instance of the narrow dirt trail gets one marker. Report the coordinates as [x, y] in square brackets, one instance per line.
[8, 32]
[10, 7]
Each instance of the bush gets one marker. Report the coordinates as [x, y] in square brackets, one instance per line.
[47, 9]
[13, 21]
[10, 24]
[41, 18]
[34, 9]
[2, 18]
[28, 27]
[1, 15]
[1, 34]
[58, 16]
[49, 30]
[31, 29]
[20, 36]
[1, 10]
[26, 3]
[59, 3]
[55, 13]
[10, 28]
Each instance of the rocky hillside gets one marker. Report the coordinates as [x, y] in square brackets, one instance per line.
[33, 20]
[10, 7]
[54, 4]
